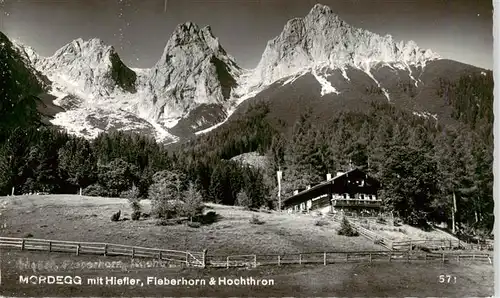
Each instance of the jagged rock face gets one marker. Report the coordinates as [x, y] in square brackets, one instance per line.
[92, 67]
[194, 69]
[323, 39]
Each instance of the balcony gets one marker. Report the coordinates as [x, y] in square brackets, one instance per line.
[356, 203]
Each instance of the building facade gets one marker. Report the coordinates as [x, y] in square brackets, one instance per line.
[352, 191]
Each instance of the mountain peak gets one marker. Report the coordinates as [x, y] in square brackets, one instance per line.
[320, 9]
[321, 38]
[194, 69]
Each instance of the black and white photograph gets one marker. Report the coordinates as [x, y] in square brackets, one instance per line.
[236, 148]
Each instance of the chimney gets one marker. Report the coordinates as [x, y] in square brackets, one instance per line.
[296, 192]
[309, 186]
[328, 177]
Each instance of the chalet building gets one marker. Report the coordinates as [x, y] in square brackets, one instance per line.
[352, 191]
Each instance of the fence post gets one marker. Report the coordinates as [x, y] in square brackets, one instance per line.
[324, 258]
[443, 257]
[105, 249]
[473, 257]
[450, 245]
[50, 246]
[411, 246]
[300, 259]
[22, 244]
[458, 258]
[347, 257]
[133, 252]
[425, 257]
[255, 261]
[279, 260]
[370, 257]
[390, 256]
[204, 258]
[78, 249]
[159, 256]
[227, 262]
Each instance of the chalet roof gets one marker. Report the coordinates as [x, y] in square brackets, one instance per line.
[323, 184]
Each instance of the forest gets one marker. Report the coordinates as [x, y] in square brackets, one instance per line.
[421, 164]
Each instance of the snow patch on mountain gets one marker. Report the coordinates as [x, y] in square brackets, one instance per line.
[425, 115]
[326, 86]
[344, 74]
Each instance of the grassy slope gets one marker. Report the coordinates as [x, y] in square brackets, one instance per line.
[75, 218]
[88, 219]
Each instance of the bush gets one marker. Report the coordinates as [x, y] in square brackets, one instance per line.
[168, 209]
[243, 200]
[136, 215]
[346, 229]
[135, 205]
[194, 224]
[131, 194]
[321, 222]
[193, 202]
[209, 218]
[95, 190]
[29, 235]
[116, 216]
[381, 220]
[256, 220]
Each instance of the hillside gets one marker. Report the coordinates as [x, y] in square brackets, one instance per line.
[69, 217]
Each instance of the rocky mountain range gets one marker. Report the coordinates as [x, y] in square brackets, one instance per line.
[318, 61]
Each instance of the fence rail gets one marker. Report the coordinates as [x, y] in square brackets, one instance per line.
[326, 258]
[188, 258]
[200, 259]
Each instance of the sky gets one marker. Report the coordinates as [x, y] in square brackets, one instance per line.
[139, 29]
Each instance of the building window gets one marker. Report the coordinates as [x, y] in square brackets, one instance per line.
[362, 197]
[345, 196]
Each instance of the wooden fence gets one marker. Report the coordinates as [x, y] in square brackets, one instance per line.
[439, 244]
[201, 259]
[326, 258]
[187, 258]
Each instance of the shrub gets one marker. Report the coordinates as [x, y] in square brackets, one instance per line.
[194, 224]
[256, 220]
[135, 205]
[116, 216]
[29, 235]
[136, 215]
[95, 190]
[346, 229]
[210, 218]
[131, 194]
[243, 200]
[321, 222]
[381, 220]
[193, 202]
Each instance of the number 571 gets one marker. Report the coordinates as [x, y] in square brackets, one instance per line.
[449, 279]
